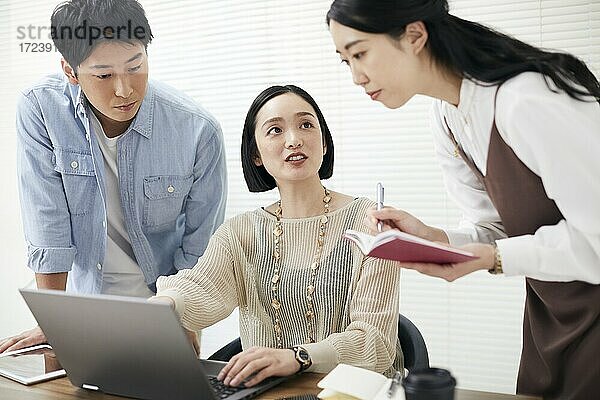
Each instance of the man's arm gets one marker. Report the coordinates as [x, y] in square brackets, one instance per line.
[35, 336]
[51, 281]
[205, 205]
[46, 219]
[44, 209]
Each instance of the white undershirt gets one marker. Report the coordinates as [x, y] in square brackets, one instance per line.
[121, 273]
[555, 136]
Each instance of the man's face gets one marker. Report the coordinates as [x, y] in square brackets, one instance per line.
[114, 79]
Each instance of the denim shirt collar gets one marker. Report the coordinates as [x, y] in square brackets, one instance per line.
[78, 99]
[142, 122]
[143, 119]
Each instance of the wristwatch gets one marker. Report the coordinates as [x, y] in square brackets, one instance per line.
[302, 357]
[497, 268]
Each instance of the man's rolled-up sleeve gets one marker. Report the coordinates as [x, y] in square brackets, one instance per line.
[44, 210]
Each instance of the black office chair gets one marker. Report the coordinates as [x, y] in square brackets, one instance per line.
[226, 352]
[412, 343]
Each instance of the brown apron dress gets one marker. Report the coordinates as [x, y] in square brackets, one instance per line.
[560, 358]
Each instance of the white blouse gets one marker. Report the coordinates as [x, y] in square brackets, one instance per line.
[555, 136]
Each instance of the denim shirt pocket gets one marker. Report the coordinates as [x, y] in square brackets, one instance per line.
[164, 200]
[78, 177]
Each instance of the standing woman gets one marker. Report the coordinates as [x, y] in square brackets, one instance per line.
[517, 131]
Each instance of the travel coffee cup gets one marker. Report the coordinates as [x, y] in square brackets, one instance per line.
[429, 384]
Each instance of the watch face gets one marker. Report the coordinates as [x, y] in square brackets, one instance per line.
[303, 355]
[303, 358]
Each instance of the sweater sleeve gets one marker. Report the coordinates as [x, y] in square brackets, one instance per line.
[206, 293]
[369, 341]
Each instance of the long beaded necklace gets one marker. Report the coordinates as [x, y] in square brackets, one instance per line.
[314, 268]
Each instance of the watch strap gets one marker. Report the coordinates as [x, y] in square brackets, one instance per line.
[302, 357]
[497, 268]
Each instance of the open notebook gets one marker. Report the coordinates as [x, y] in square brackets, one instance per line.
[346, 382]
[400, 246]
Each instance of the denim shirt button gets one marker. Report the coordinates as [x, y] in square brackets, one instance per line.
[170, 189]
[74, 164]
[99, 266]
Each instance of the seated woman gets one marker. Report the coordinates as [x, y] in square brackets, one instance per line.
[307, 298]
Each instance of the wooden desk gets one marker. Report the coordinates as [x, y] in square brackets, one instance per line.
[61, 389]
[307, 384]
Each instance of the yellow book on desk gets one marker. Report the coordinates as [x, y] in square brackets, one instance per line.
[401, 246]
[346, 382]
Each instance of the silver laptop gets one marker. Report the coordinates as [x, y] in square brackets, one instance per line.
[128, 347]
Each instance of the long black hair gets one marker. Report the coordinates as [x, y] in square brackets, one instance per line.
[467, 48]
[257, 178]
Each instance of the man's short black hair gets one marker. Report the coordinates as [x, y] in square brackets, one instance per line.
[257, 178]
[78, 26]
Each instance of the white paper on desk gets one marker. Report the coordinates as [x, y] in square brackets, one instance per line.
[357, 382]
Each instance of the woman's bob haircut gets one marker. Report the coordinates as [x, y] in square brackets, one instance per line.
[257, 178]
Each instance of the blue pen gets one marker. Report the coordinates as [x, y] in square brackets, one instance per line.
[379, 204]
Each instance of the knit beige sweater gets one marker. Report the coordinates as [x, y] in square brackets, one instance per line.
[356, 297]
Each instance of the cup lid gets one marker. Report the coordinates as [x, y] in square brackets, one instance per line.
[429, 378]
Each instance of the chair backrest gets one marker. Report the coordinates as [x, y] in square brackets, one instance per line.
[413, 345]
[226, 352]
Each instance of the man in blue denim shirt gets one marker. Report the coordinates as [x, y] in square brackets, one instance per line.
[121, 180]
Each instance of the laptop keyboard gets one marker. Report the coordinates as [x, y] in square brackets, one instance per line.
[223, 391]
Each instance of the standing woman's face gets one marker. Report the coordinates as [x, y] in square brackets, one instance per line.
[389, 71]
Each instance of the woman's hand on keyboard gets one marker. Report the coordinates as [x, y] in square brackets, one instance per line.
[258, 363]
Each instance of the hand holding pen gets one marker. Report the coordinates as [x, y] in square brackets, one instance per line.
[401, 220]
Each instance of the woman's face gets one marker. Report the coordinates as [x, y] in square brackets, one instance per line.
[388, 70]
[289, 140]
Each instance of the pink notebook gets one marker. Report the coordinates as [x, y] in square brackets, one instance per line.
[401, 246]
